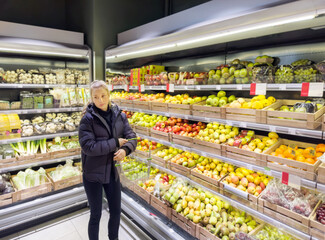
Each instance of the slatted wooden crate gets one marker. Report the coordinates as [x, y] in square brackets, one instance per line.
[64, 183]
[184, 223]
[126, 103]
[296, 119]
[142, 130]
[200, 109]
[65, 153]
[317, 229]
[321, 173]
[304, 170]
[180, 169]
[161, 206]
[160, 135]
[117, 101]
[8, 162]
[142, 105]
[209, 147]
[208, 182]
[182, 140]
[158, 160]
[159, 106]
[146, 196]
[5, 199]
[180, 108]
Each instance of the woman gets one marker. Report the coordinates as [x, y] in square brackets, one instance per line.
[103, 135]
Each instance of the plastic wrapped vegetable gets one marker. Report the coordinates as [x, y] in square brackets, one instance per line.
[27, 130]
[304, 107]
[306, 74]
[263, 73]
[42, 175]
[69, 125]
[39, 128]
[66, 171]
[51, 128]
[284, 74]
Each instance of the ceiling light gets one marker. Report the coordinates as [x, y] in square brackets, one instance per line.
[41, 52]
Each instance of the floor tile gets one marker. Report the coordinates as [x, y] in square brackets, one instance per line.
[70, 236]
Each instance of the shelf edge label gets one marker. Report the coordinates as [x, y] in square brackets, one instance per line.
[315, 89]
[258, 89]
[170, 87]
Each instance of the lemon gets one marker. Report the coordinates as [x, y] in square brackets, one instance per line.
[265, 103]
[272, 99]
[261, 97]
[257, 105]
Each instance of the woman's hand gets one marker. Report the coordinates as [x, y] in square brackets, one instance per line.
[119, 155]
[122, 141]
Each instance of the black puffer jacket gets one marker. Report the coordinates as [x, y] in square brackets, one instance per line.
[98, 143]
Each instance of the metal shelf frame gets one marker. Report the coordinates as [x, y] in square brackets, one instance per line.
[18, 85]
[43, 110]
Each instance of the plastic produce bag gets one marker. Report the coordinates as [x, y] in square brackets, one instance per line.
[306, 73]
[304, 107]
[284, 74]
[263, 74]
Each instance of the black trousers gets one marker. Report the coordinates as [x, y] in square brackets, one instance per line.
[94, 193]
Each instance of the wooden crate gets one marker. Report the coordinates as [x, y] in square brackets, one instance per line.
[200, 109]
[159, 106]
[208, 182]
[126, 103]
[161, 206]
[145, 105]
[139, 153]
[317, 229]
[9, 162]
[301, 169]
[160, 135]
[5, 199]
[65, 153]
[158, 160]
[142, 130]
[296, 119]
[323, 123]
[182, 140]
[180, 108]
[127, 183]
[64, 183]
[184, 223]
[321, 173]
[204, 234]
[180, 169]
[286, 216]
[208, 147]
[117, 101]
[251, 198]
[31, 192]
[146, 196]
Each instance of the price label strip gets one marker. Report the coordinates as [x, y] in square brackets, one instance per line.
[110, 87]
[126, 88]
[291, 180]
[258, 89]
[312, 89]
[268, 171]
[170, 87]
[218, 87]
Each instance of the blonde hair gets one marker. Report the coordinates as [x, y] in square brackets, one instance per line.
[95, 85]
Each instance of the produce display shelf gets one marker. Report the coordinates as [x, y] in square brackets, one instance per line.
[32, 210]
[38, 137]
[234, 87]
[240, 205]
[304, 182]
[318, 134]
[18, 85]
[44, 110]
[42, 163]
[321, 187]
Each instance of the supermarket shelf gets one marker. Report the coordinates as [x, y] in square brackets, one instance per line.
[16, 85]
[304, 182]
[44, 110]
[318, 134]
[238, 204]
[233, 87]
[38, 137]
[41, 163]
[41, 207]
[321, 187]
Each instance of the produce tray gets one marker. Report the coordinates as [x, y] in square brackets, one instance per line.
[159, 106]
[182, 140]
[141, 153]
[200, 109]
[184, 223]
[209, 147]
[8, 162]
[161, 206]
[180, 169]
[317, 234]
[117, 101]
[246, 115]
[36, 157]
[299, 120]
[142, 130]
[286, 216]
[65, 153]
[5, 199]
[208, 182]
[301, 169]
[146, 196]
[127, 183]
[64, 183]
[142, 105]
[251, 198]
[160, 135]
[31, 192]
[158, 160]
[126, 103]
[321, 173]
[314, 224]
[180, 108]
[323, 123]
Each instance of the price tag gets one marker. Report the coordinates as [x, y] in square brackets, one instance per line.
[239, 87]
[243, 124]
[198, 87]
[291, 180]
[292, 131]
[170, 87]
[24, 112]
[38, 111]
[141, 88]
[218, 87]
[185, 117]
[186, 88]
[110, 87]
[258, 89]
[203, 154]
[126, 87]
[19, 86]
[249, 167]
[268, 171]
[312, 89]
[283, 87]
[229, 123]
[272, 128]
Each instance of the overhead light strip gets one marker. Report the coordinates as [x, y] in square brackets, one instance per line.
[272, 23]
[41, 52]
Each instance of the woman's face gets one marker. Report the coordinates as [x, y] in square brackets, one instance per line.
[100, 98]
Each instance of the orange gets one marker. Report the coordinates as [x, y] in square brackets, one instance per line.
[300, 158]
[283, 147]
[273, 153]
[281, 156]
[310, 161]
[279, 151]
[299, 151]
[318, 154]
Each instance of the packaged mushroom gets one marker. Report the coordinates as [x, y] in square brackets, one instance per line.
[50, 78]
[27, 130]
[38, 78]
[60, 75]
[2, 76]
[49, 117]
[69, 125]
[69, 77]
[51, 127]
[40, 128]
[25, 78]
[37, 119]
[11, 77]
[60, 126]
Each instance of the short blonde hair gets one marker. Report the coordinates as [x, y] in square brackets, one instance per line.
[95, 85]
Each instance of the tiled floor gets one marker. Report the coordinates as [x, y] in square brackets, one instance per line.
[69, 227]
